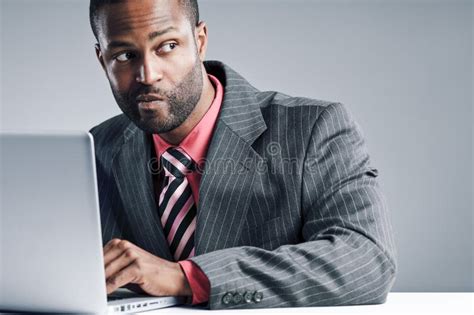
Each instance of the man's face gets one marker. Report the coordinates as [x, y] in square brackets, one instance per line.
[149, 52]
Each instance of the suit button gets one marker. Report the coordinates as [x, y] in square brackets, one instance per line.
[237, 298]
[258, 297]
[248, 297]
[227, 298]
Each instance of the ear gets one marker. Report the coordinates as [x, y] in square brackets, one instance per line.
[201, 39]
[99, 56]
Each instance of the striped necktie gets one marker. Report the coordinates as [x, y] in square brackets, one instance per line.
[176, 204]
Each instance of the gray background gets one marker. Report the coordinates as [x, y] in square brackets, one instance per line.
[403, 68]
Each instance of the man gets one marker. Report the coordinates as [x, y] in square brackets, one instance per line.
[214, 190]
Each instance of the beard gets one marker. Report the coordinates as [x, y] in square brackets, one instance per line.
[180, 102]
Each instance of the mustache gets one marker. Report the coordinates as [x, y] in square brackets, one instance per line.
[149, 90]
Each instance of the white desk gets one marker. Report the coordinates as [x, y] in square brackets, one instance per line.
[397, 304]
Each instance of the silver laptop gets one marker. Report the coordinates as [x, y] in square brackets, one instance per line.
[51, 257]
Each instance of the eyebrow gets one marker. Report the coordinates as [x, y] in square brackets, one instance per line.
[156, 34]
[151, 36]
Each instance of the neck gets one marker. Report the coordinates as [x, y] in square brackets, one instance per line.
[176, 135]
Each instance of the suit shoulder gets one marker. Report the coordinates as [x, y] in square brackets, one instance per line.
[115, 120]
[268, 98]
[311, 107]
[109, 134]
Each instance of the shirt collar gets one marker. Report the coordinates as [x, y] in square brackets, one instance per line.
[196, 143]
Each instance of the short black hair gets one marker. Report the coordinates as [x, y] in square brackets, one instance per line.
[190, 6]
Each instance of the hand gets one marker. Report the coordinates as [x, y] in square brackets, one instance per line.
[126, 263]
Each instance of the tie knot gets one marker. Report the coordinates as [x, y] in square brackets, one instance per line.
[176, 162]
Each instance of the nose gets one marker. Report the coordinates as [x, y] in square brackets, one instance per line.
[149, 71]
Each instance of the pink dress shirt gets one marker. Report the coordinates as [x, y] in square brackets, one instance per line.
[195, 144]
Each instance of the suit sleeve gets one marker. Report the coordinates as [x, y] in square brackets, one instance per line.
[347, 256]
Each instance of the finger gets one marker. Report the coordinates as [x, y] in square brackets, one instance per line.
[115, 249]
[127, 275]
[126, 258]
[113, 242]
[110, 250]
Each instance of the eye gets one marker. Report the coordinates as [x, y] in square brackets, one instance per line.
[124, 56]
[167, 47]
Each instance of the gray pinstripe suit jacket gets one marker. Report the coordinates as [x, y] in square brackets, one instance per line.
[289, 203]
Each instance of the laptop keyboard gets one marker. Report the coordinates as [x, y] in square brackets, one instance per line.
[123, 293]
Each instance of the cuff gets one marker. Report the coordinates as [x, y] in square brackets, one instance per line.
[197, 280]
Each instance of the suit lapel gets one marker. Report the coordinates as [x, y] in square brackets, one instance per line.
[231, 164]
[134, 181]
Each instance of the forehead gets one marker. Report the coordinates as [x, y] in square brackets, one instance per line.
[139, 16]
